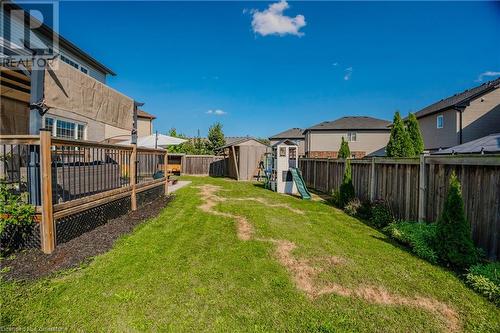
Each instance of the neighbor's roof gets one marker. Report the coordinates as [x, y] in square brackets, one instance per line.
[235, 141]
[292, 133]
[144, 114]
[487, 144]
[287, 142]
[460, 99]
[66, 44]
[352, 123]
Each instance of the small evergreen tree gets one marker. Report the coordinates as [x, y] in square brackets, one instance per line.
[453, 240]
[399, 142]
[346, 192]
[415, 135]
[215, 137]
[344, 151]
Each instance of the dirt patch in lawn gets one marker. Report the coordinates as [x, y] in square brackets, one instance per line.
[304, 272]
[33, 264]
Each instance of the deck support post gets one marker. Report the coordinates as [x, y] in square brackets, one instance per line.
[421, 189]
[47, 229]
[133, 177]
[165, 171]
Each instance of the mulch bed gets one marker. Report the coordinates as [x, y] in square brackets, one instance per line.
[33, 264]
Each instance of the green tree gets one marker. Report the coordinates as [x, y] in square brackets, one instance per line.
[399, 142]
[415, 135]
[344, 151]
[186, 147]
[346, 192]
[215, 137]
[453, 235]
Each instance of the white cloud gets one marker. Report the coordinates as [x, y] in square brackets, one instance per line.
[348, 73]
[217, 112]
[486, 74]
[272, 21]
[335, 64]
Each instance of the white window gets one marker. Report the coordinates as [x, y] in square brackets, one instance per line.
[65, 129]
[351, 136]
[440, 121]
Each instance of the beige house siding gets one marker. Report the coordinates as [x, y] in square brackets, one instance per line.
[482, 117]
[144, 127]
[113, 132]
[300, 142]
[327, 143]
[435, 138]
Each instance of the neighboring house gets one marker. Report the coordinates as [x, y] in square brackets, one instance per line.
[365, 135]
[80, 104]
[144, 123]
[461, 118]
[293, 134]
[489, 144]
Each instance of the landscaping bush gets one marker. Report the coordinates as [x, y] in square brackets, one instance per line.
[352, 207]
[344, 151]
[16, 219]
[419, 236]
[335, 198]
[365, 211]
[381, 214]
[346, 188]
[485, 279]
[454, 243]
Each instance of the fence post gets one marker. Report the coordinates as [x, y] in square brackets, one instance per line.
[421, 189]
[165, 171]
[372, 180]
[47, 232]
[133, 175]
[314, 177]
[328, 175]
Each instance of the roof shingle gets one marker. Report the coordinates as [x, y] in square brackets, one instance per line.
[292, 133]
[459, 99]
[352, 123]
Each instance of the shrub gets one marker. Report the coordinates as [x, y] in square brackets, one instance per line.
[365, 211]
[454, 243]
[344, 151]
[419, 236]
[415, 135]
[399, 144]
[346, 188]
[381, 214]
[335, 199]
[16, 219]
[352, 207]
[485, 279]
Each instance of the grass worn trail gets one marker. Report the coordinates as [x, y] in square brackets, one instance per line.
[187, 270]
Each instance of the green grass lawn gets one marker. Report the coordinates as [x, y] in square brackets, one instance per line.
[186, 270]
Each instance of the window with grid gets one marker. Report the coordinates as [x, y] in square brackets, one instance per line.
[351, 136]
[65, 129]
[80, 131]
[49, 124]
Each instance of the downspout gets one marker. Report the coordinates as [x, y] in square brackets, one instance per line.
[460, 109]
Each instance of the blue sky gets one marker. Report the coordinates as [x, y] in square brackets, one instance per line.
[320, 61]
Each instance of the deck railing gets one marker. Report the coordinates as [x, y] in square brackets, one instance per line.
[64, 177]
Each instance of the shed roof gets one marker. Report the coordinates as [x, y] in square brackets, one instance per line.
[235, 141]
[285, 142]
[486, 144]
[352, 123]
[460, 99]
[291, 133]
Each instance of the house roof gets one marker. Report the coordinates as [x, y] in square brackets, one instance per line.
[144, 114]
[292, 133]
[486, 144]
[460, 99]
[66, 44]
[352, 123]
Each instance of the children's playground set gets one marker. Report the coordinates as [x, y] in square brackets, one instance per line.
[282, 172]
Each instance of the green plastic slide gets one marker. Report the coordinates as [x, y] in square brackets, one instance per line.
[301, 185]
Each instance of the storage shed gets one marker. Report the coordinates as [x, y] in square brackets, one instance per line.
[243, 157]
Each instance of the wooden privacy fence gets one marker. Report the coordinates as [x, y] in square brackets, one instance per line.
[66, 177]
[206, 165]
[416, 189]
